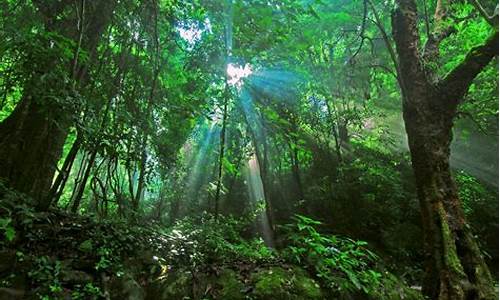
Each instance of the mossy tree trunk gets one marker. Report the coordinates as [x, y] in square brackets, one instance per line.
[454, 267]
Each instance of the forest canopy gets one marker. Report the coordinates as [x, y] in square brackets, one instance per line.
[249, 149]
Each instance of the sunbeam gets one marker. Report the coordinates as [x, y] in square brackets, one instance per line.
[257, 197]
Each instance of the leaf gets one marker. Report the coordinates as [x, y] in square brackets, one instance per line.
[4, 222]
[352, 277]
[86, 246]
[313, 12]
[10, 233]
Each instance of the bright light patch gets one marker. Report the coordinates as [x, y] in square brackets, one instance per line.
[191, 32]
[191, 35]
[236, 73]
[217, 115]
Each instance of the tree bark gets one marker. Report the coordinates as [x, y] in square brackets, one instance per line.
[81, 187]
[454, 267]
[149, 110]
[32, 137]
[60, 182]
[31, 142]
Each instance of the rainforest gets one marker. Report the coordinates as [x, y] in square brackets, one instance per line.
[249, 149]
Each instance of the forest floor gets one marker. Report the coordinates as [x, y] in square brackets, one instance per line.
[57, 255]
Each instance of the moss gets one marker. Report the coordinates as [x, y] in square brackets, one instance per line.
[270, 284]
[176, 286]
[306, 287]
[450, 250]
[230, 286]
[278, 283]
[392, 288]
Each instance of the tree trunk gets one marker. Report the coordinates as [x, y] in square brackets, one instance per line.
[60, 182]
[218, 189]
[149, 110]
[262, 160]
[142, 176]
[454, 267]
[31, 143]
[334, 131]
[32, 137]
[295, 167]
[81, 187]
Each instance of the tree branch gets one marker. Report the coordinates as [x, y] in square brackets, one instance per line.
[458, 81]
[387, 41]
[362, 33]
[492, 20]
[440, 31]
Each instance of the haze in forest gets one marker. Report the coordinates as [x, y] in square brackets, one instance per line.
[249, 149]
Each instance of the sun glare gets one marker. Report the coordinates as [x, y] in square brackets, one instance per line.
[236, 73]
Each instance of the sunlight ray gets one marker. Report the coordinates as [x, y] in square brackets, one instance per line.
[257, 198]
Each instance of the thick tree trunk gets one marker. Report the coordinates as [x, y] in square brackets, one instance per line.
[31, 143]
[32, 137]
[454, 267]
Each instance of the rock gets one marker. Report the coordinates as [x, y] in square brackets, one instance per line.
[16, 290]
[126, 288]
[229, 286]
[176, 286]
[179, 285]
[84, 263]
[11, 294]
[306, 286]
[75, 277]
[393, 288]
[271, 284]
[279, 283]
[7, 260]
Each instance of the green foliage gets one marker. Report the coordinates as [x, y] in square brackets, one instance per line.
[321, 113]
[204, 240]
[480, 204]
[341, 264]
[105, 258]
[86, 246]
[88, 291]
[472, 192]
[46, 274]
[6, 227]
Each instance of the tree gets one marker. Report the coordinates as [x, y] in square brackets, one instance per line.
[454, 267]
[32, 137]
